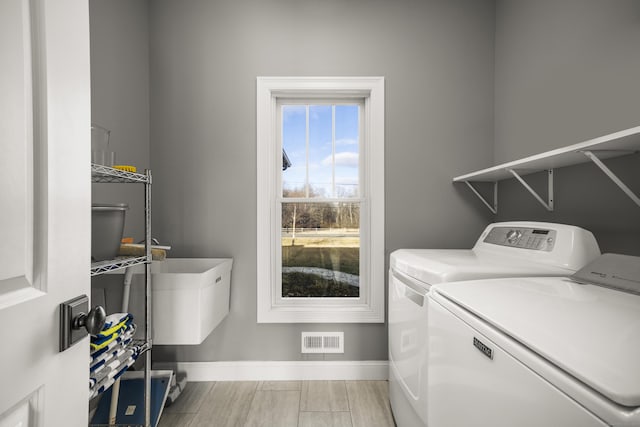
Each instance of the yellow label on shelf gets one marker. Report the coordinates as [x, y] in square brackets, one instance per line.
[126, 168]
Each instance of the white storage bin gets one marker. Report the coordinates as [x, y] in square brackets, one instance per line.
[189, 298]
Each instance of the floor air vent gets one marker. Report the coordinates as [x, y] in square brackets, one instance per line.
[323, 342]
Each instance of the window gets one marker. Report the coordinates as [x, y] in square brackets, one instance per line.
[320, 201]
[320, 149]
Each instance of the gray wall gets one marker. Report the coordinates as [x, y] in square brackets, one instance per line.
[120, 96]
[437, 57]
[564, 72]
[567, 71]
[120, 102]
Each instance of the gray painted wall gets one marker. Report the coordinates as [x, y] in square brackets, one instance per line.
[120, 96]
[567, 71]
[437, 57]
[120, 102]
[564, 72]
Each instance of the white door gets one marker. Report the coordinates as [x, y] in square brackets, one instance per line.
[45, 208]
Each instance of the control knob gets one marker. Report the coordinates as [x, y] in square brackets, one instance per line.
[513, 236]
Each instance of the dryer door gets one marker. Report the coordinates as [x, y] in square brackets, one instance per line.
[407, 331]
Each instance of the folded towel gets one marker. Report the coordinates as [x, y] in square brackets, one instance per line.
[109, 373]
[120, 343]
[106, 359]
[102, 342]
[121, 340]
[96, 367]
[108, 333]
[115, 318]
[113, 322]
[110, 369]
[128, 249]
[105, 367]
[109, 381]
[113, 346]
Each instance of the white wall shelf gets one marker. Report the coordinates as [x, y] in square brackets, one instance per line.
[595, 150]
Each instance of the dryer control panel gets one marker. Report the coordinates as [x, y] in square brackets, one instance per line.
[539, 239]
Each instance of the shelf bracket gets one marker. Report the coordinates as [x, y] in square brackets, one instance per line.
[612, 176]
[494, 208]
[549, 203]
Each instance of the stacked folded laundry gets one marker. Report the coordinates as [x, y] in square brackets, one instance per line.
[112, 352]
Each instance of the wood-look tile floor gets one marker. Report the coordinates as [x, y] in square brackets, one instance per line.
[281, 404]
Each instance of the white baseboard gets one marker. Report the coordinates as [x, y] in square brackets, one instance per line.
[281, 370]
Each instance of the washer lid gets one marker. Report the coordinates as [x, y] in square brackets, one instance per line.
[589, 331]
[433, 266]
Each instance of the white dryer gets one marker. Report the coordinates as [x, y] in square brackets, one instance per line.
[540, 351]
[507, 249]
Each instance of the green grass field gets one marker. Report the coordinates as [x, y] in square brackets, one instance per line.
[299, 285]
[346, 260]
[332, 254]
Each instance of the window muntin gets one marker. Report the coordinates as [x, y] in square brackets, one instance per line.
[347, 151]
[294, 140]
[318, 150]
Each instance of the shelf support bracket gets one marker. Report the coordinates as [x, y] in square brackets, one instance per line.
[549, 203]
[493, 208]
[612, 176]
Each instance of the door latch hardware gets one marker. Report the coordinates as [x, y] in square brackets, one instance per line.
[76, 321]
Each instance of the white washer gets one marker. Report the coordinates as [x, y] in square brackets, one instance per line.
[540, 351]
[507, 249]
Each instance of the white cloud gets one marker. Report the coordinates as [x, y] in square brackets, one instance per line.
[347, 159]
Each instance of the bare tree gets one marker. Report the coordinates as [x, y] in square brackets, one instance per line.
[293, 233]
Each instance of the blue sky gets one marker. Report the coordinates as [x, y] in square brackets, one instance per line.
[320, 148]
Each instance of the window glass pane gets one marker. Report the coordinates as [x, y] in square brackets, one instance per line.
[320, 151]
[294, 131]
[320, 250]
[347, 151]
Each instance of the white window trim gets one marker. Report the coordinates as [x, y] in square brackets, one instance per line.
[370, 307]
